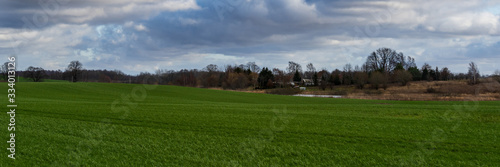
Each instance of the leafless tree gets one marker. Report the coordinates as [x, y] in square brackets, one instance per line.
[445, 74]
[186, 77]
[426, 66]
[75, 70]
[253, 67]
[496, 75]
[378, 79]
[210, 76]
[360, 79]
[473, 73]
[310, 71]
[399, 58]
[292, 67]
[347, 74]
[4, 71]
[36, 74]
[348, 67]
[410, 62]
[384, 60]
[211, 68]
[403, 77]
[357, 68]
[280, 77]
[235, 81]
[323, 76]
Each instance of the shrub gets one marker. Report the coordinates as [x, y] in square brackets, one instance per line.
[360, 79]
[431, 90]
[373, 92]
[456, 89]
[378, 79]
[402, 77]
[497, 78]
[235, 81]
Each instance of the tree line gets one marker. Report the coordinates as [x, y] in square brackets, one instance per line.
[382, 67]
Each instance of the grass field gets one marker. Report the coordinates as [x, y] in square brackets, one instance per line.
[97, 124]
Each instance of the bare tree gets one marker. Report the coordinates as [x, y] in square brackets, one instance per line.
[360, 79]
[310, 71]
[279, 77]
[211, 68]
[496, 75]
[119, 75]
[473, 73]
[4, 71]
[347, 74]
[293, 67]
[235, 81]
[75, 70]
[324, 76]
[186, 77]
[36, 74]
[426, 66]
[348, 67]
[253, 67]
[378, 79]
[357, 68]
[403, 77]
[410, 62]
[384, 60]
[398, 59]
[445, 74]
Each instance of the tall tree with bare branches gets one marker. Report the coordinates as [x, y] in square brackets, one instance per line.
[473, 73]
[75, 70]
[384, 60]
[35, 74]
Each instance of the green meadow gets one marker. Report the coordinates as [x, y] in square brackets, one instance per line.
[99, 124]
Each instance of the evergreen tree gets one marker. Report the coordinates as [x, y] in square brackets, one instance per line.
[315, 79]
[265, 78]
[336, 80]
[297, 77]
[438, 75]
[399, 67]
[425, 74]
[432, 75]
[415, 72]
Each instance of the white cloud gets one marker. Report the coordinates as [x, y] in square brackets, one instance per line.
[471, 23]
[122, 11]
[49, 48]
[188, 21]
[140, 27]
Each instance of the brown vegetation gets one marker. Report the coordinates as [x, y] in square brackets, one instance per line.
[488, 89]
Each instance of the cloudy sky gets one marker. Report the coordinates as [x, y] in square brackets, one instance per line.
[144, 35]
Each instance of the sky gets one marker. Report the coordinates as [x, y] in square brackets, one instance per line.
[145, 35]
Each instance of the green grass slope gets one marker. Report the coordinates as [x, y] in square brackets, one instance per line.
[97, 124]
